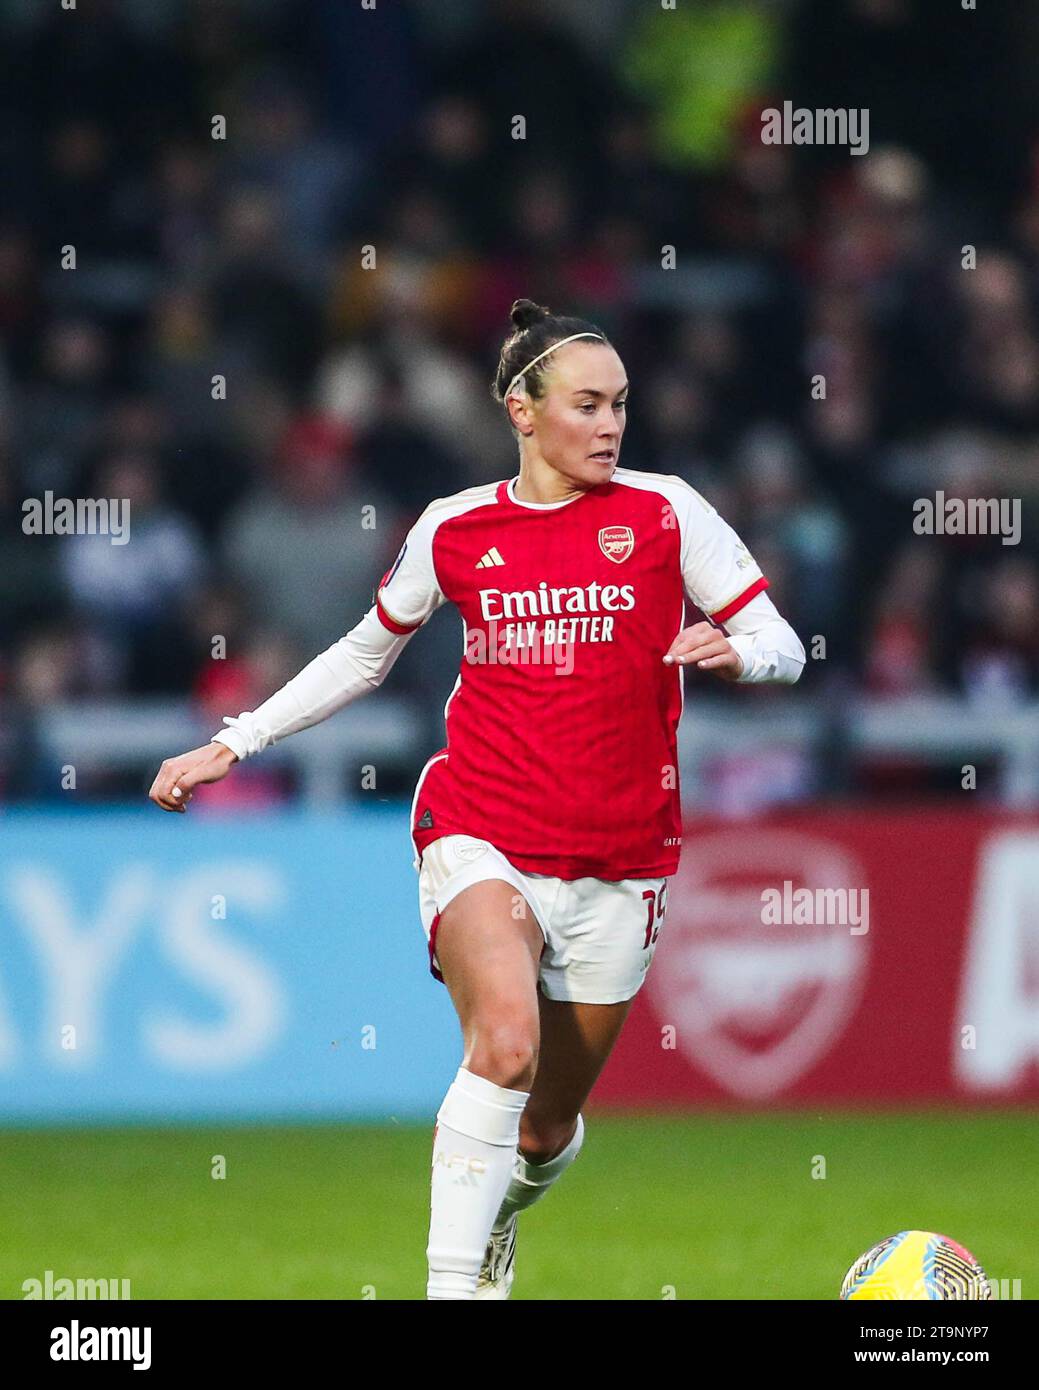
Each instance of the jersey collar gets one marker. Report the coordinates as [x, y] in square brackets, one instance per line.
[506, 495]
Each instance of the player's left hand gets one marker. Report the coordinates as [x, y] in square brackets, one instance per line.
[704, 646]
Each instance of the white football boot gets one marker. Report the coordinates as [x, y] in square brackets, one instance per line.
[499, 1263]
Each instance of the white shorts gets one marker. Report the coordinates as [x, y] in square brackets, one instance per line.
[600, 936]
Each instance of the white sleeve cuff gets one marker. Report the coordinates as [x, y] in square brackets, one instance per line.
[234, 738]
[768, 646]
[764, 662]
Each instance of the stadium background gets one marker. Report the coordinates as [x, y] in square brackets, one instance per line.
[261, 959]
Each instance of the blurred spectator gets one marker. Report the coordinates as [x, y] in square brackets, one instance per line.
[387, 451]
[19, 295]
[30, 588]
[727, 50]
[447, 394]
[184, 191]
[266, 334]
[313, 178]
[676, 423]
[266, 316]
[309, 548]
[521, 51]
[996, 372]
[88, 205]
[448, 150]
[238, 681]
[131, 593]
[44, 672]
[900, 643]
[60, 411]
[1000, 661]
[808, 533]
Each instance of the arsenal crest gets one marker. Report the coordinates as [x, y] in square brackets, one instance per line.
[616, 543]
[756, 1007]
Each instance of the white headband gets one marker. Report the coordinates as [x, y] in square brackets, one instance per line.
[562, 343]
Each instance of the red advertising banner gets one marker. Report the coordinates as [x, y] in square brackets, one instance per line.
[842, 956]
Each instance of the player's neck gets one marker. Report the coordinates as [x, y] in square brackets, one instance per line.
[539, 482]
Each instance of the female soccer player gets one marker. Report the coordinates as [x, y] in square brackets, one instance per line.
[548, 826]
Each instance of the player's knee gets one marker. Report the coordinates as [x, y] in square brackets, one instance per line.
[506, 1054]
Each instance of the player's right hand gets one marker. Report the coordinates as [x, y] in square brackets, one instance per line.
[172, 786]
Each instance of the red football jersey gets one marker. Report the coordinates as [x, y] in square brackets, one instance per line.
[562, 745]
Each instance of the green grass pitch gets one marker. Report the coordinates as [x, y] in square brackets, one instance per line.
[709, 1206]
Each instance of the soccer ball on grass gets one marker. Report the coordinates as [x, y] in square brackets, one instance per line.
[916, 1264]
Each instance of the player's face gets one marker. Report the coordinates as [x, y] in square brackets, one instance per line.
[579, 421]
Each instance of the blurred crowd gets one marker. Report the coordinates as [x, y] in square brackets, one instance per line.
[297, 232]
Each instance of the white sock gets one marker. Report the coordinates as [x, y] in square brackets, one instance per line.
[474, 1147]
[530, 1181]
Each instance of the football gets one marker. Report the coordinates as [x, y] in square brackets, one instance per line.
[917, 1265]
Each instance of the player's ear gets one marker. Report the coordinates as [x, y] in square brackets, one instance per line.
[520, 414]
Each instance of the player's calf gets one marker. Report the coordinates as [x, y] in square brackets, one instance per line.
[531, 1179]
[540, 1141]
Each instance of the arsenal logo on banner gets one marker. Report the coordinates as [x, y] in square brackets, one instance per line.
[616, 542]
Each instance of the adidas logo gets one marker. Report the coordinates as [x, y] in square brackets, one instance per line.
[491, 559]
[426, 823]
